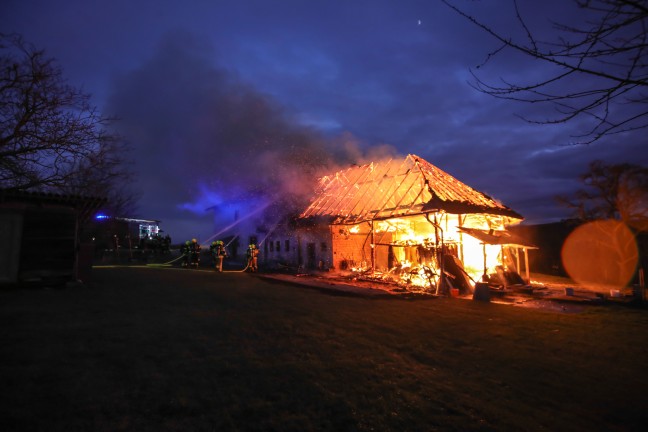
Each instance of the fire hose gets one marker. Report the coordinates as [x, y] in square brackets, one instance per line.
[166, 263]
[237, 271]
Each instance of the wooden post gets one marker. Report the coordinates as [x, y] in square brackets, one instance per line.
[484, 277]
[373, 250]
[461, 245]
[642, 284]
[526, 265]
[441, 263]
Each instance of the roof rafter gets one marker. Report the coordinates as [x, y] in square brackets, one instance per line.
[395, 188]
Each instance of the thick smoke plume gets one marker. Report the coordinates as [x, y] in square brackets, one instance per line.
[205, 140]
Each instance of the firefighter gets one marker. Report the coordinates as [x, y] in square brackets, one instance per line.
[185, 250]
[218, 253]
[213, 253]
[194, 253]
[252, 254]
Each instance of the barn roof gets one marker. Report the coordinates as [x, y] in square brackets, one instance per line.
[396, 188]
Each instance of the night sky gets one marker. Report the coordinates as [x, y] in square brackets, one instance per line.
[224, 101]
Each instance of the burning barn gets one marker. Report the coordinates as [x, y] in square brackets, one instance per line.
[408, 222]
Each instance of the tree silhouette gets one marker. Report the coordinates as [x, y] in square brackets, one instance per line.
[51, 138]
[598, 68]
[613, 191]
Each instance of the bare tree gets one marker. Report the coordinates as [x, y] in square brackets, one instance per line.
[598, 68]
[51, 138]
[105, 173]
[613, 191]
[632, 198]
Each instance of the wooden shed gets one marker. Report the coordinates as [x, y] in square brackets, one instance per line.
[39, 234]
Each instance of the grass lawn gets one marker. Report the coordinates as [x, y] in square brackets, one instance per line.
[149, 349]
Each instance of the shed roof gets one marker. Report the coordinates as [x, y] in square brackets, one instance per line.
[84, 205]
[397, 188]
[498, 237]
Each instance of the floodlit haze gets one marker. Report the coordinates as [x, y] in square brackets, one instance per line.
[226, 103]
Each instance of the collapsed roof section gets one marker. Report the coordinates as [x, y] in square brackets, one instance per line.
[397, 188]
